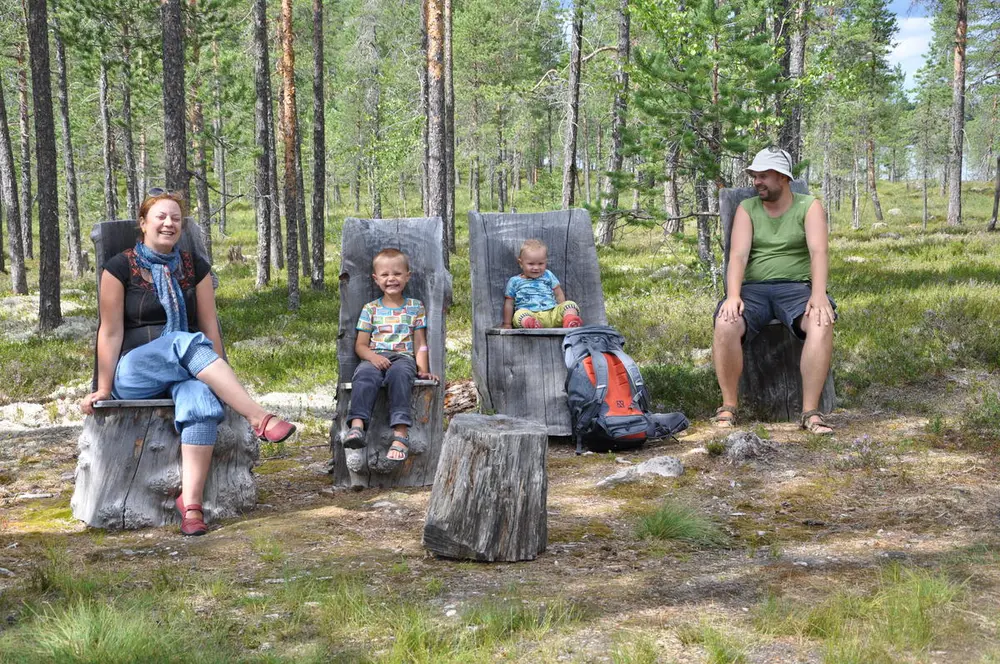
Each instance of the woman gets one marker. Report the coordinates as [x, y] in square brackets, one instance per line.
[159, 332]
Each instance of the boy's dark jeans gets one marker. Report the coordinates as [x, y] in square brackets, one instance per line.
[398, 378]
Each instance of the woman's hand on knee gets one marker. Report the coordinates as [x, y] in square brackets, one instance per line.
[87, 404]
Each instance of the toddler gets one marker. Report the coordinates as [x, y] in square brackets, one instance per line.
[534, 298]
[392, 344]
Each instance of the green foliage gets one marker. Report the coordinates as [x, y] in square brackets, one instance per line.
[673, 521]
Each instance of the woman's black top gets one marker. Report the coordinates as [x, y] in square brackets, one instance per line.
[144, 315]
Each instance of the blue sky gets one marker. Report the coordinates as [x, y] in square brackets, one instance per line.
[913, 37]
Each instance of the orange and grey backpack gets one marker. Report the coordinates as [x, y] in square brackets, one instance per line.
[608, 400]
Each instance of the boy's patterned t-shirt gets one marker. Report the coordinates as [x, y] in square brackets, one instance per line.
[532, 294]
[392, 327]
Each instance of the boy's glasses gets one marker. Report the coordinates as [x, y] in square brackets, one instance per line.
[159, 191]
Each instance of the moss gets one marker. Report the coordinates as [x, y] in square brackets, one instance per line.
[276, 466]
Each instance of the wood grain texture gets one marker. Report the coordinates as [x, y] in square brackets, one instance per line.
[771, 384]
[514, 370]
[430, 282]
[129, 469]
[490, 494]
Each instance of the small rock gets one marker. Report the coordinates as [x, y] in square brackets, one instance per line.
[6, 572]
[741, 446]
[855, 259]
[895, 212]
[450, 613]
[272, 616]
[34, 496]
[384, 505]
[68, 476]
[319, 468]
[264, 647]
[130, 552]
[701, 356]
[253, 594]
[663, 466]
[329, 492]
[623, 461]
[879, 224]
[174, 553]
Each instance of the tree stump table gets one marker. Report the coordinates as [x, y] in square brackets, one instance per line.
[129, 466]
[490, 492]
[771, 384]
[522, 372]
[430, 282]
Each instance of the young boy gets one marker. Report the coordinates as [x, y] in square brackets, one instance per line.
[534, 298]
[392, 344]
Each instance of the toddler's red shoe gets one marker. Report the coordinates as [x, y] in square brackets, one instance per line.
[530, 322]
[572, 320]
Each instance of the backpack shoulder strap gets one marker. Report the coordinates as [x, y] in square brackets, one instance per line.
[600, 366]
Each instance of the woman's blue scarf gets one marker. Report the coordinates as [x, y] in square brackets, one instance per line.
[164, 268]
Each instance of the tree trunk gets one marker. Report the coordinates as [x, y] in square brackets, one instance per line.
[996, 198]
[174, 115]
[437, 176]
[791, 130]
[319, 154]
[72, 208]
[198, 133]
[586, 161]
[827, 179]
[474, 182]
[573, 110]
[290, 132]
[872, 188]
[671, 200]
[262, 105]
[277, 241]
[49, 310]
[449, 130]
[704, 229]
[551, 157]
[8, 192]
[489, 497]
[132, 199]
[218, 145]
[925, 215]
[609, 199]
[957, 116]
[855, 198]
[143, 164]
[300, 206]
[110, 190]
[25, 127]
[368, 52]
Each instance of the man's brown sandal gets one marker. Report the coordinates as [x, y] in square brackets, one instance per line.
[817, 428]
[727, 421]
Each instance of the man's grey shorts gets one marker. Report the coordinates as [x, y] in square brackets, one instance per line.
[765, 301]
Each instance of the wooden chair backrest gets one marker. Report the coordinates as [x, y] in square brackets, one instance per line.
[421, 240]
[494, 243]
[729, 200]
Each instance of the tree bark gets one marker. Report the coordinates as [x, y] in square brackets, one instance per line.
[107, 153]
[132, 198]
[573, 110]
[262, 120]
[290, 131]
[671, 200]
[449, 130]
[855, 198]
[795, 41]
[609, 199]
[872, 188]
[143, 164]
[49, 310]
[8, 192]
[957, 116]
[425, 112]
[586, 160]
[198, 133]
[300, 206]
[437, 175]
[277, 241]
[996, 198]
[219, 146]
[174, 115]
[319, 154]
[25, 127]
[72, 207]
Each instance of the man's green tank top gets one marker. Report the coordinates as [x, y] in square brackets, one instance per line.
[779, 251]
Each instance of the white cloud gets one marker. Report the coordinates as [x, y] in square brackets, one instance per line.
[912, 41]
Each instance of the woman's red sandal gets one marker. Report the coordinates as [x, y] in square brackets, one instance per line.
[190, 526]
[279, 432]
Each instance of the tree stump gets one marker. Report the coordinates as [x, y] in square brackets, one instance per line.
[521, 372]
[490, 492]
[129, 468]
[430, 282]
[771, 384]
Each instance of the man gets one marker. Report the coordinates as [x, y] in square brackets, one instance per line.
[777, 269]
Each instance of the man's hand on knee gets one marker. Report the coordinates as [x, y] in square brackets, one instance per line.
[731, 310]
[819, 312]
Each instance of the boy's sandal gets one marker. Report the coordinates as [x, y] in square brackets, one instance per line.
[399, 444]
[279, 432]
[354, 439]
[819, 427]
[725, 417]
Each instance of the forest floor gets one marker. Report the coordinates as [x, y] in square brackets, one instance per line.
[879, 544]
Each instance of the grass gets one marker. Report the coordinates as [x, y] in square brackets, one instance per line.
[673, 521]
[909, 611]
